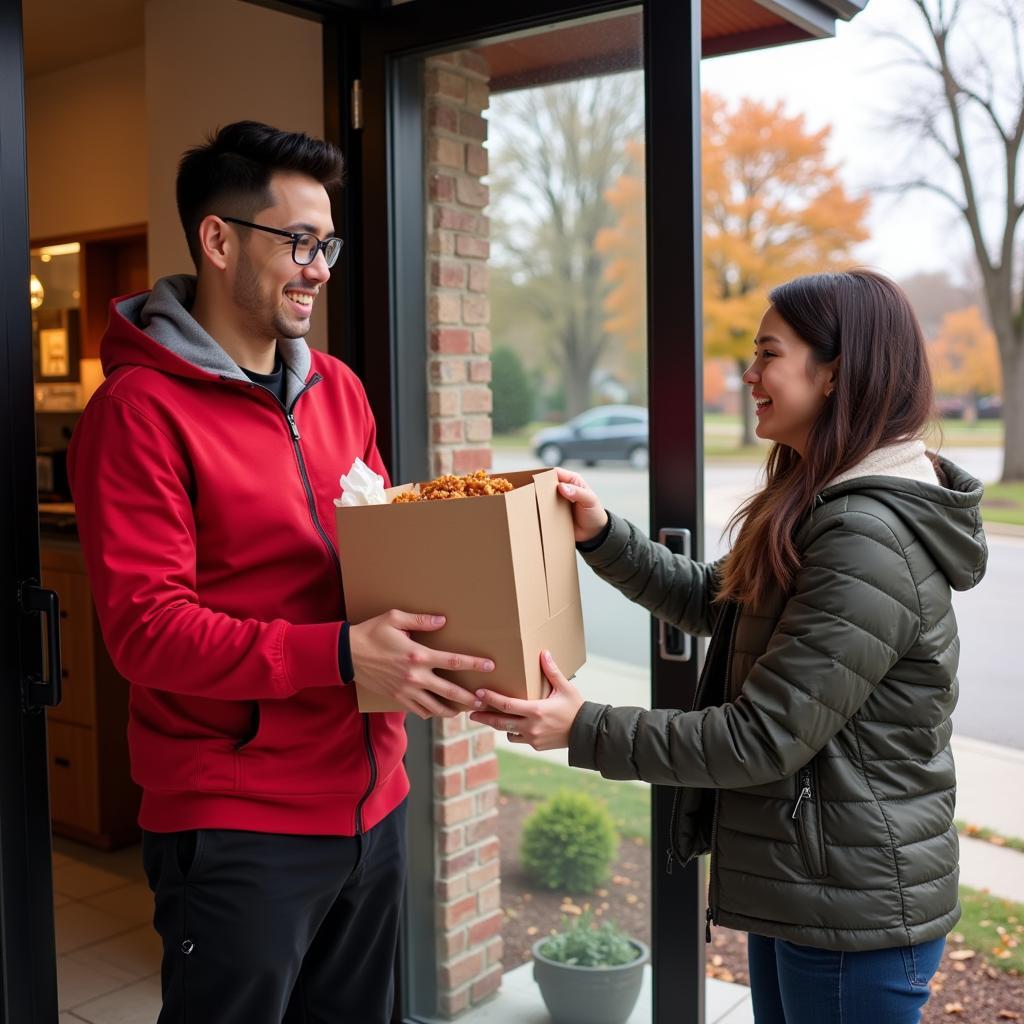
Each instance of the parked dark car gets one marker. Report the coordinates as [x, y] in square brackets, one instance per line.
[951, 408]
[607, 432]
[990, 408]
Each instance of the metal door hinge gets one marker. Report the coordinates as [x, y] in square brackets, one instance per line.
[356, 105]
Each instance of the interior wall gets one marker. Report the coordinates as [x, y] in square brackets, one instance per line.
[208, 63]
[87, 146]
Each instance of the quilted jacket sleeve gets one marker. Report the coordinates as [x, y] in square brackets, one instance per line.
[671, 587]
[853, 613]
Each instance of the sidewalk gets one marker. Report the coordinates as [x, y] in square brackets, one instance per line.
[990, 781]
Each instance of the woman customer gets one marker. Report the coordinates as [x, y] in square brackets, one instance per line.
[815, 764]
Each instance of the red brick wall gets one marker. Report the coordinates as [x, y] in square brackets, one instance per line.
[468, 886]
[458, 307]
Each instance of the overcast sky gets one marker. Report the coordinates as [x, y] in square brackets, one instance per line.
[849, 82]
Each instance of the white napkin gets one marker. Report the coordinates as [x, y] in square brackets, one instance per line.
[361, 486]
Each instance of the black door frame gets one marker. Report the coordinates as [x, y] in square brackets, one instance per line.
[368, 330]
[394, 361]
[28, 980]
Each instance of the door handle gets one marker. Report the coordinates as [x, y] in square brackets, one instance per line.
[673, 643]
[34, 599]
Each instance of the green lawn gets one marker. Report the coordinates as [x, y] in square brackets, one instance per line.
[1003, 503]
[534, 779]
[979, 434]
[992, 927]
[989, 835]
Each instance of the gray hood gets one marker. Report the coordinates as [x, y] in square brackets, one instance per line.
[946, 519]
[163, 316]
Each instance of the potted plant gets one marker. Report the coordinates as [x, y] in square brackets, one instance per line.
[589, 974]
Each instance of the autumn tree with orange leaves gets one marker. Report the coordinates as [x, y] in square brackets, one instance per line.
[774, 208]
[965, 356]
[624, 246]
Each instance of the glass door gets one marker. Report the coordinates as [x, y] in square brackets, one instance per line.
[534, 163]
[28, 988]
[536, 313]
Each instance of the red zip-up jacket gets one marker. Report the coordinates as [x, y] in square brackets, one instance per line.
[206, 517]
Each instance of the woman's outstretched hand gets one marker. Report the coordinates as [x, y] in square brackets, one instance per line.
[543, 724]
[588, 515]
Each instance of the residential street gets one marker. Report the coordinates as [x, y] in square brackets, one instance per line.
[991, 703]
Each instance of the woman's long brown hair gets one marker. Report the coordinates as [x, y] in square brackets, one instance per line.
[883, 395]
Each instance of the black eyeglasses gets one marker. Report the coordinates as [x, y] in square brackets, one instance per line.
[304, 245]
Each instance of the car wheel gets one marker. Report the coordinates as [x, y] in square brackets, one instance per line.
[638, 457]
[590, 462]
[550, 455]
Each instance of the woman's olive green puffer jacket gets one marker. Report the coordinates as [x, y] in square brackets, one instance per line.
[822, 719]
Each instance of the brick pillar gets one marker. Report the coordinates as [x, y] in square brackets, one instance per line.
[458, 307]
[468, 886]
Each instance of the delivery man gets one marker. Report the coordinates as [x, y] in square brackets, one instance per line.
[203, 472]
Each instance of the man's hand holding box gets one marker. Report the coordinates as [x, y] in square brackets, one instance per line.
[501, 569]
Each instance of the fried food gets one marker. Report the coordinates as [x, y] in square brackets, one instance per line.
[449, 487]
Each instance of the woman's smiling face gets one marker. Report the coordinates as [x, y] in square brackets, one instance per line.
[787, 385]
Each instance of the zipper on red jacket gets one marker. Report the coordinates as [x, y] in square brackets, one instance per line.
[311, 499]
[293, 428]
[368, 740]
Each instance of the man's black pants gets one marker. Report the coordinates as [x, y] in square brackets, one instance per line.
[277, 929]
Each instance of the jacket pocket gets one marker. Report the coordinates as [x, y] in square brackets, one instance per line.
[807, 815]
[690, 825]
[254, 727]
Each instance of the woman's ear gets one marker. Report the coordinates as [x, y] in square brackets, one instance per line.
[831, 374]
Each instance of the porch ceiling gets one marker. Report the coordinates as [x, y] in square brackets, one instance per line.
[60, 33]
[606, 44]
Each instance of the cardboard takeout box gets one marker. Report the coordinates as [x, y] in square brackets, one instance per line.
[500, 568]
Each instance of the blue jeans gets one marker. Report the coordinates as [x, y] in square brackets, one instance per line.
[793, 984]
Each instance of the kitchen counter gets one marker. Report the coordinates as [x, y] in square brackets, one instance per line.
[57, 520]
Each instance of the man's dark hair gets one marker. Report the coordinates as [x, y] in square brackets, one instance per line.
[230, 173]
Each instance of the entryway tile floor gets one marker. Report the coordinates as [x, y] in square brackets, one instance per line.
[108, 956]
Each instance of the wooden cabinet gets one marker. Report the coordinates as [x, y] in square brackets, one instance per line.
[92, 797]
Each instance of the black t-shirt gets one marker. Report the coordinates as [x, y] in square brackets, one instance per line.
[274, 381]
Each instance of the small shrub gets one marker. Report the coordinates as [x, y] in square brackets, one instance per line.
[569, 843]
[513, 395]
[584, 945]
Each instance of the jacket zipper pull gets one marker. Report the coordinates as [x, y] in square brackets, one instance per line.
[294, 426]
[805, 794]
[668, 862]
[707, 925]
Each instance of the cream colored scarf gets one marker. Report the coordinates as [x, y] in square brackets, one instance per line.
[906, 460]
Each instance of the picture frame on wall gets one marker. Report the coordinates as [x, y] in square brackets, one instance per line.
[56, 344]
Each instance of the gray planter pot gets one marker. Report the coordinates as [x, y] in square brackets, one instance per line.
[589, 995]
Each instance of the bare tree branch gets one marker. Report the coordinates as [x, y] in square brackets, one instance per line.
[923, 185]
[958, 134]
